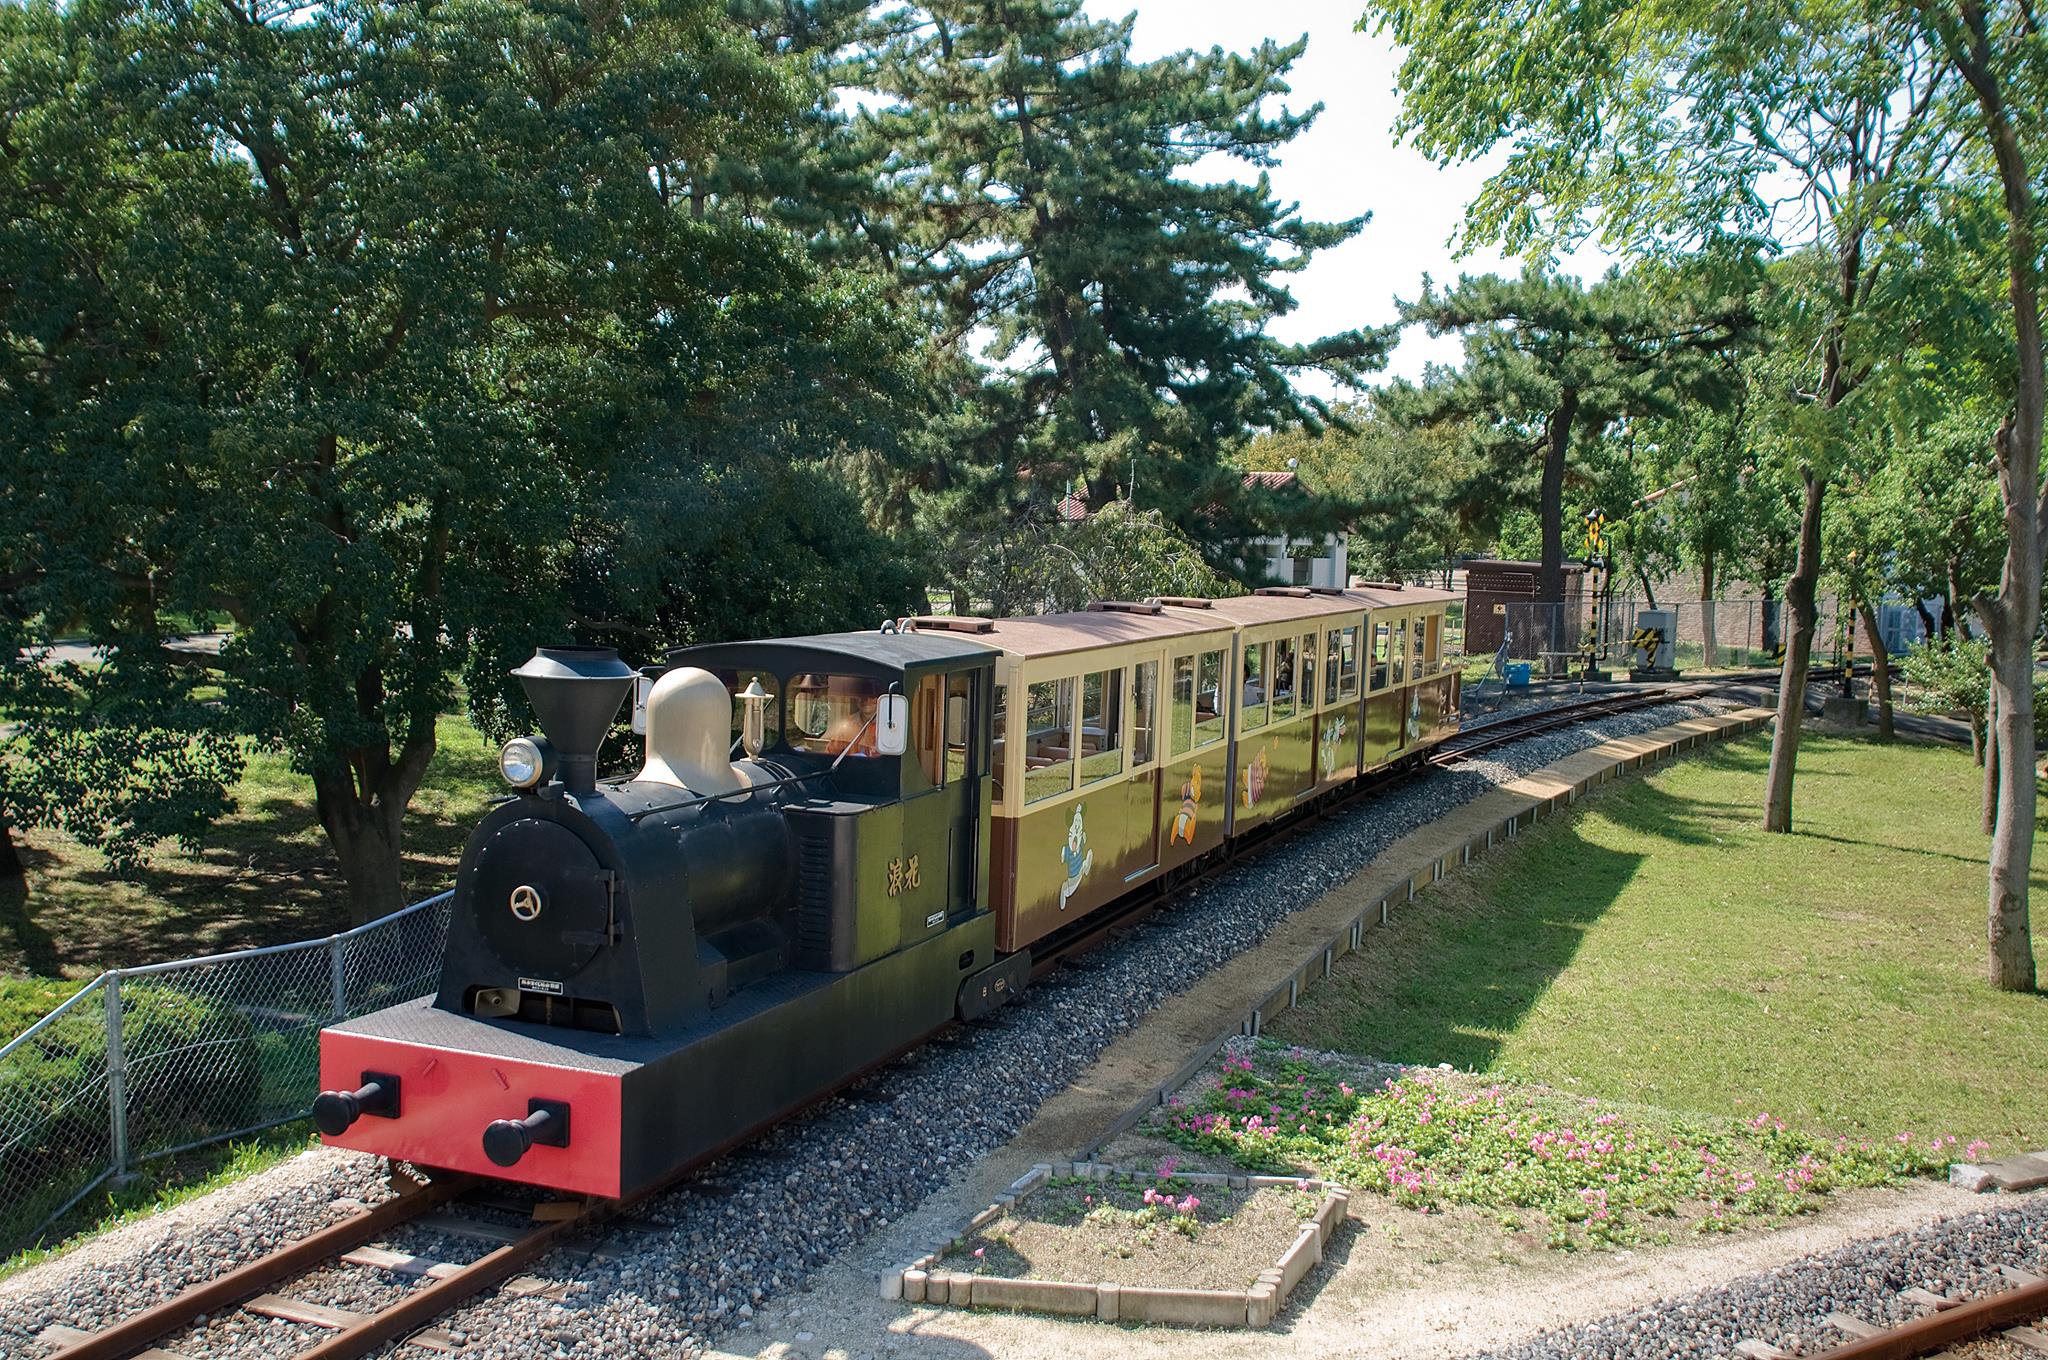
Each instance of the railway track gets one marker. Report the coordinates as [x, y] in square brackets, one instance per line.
[437, 1287]
[1944, 1322]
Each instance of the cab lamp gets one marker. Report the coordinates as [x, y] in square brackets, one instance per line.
[526, 762]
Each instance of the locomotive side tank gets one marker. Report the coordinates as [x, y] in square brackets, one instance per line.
[642, 971]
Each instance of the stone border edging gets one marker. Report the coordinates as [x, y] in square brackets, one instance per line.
[1628, 753]
[1256, 1306]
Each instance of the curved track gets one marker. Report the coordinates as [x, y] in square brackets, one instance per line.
[350, 1241]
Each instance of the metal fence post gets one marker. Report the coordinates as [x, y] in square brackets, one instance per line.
[337, 980]
[117, 1077]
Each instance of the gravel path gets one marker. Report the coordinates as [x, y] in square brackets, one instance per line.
[764, 1219]
[1785, 1307]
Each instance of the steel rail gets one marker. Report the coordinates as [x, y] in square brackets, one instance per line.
[1946, 1328]
[223, 1292]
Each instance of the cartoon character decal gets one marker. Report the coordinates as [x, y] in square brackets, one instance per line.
[1330, 746]
[1190, 806]
[1076, 856]
[1255, 778]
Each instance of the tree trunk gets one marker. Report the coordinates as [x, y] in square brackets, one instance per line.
[1927, 628]
[11, 868]
[1880, 673]
[2014, 618]
[1712, 650]
[362, 806]
[1549, 631]
[1799, 594]
[1988, 759]
[1955, 598]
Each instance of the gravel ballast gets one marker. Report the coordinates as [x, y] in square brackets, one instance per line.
[1787, 1307]
[763, 1219]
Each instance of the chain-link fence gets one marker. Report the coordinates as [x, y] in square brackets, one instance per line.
[147, 1062]
[1697, 634]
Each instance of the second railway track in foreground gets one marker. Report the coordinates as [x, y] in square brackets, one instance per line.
[1945, 1322]
[432, 1288]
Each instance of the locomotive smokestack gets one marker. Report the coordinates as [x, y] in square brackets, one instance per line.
[576, 692]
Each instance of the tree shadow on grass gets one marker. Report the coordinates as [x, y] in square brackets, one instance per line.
[1453, 972]
[265, 876]
[1463, 965]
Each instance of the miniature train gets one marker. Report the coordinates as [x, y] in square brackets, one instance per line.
[643, 971]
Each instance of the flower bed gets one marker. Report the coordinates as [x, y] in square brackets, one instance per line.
[1197, 1249]
[1596, 1174]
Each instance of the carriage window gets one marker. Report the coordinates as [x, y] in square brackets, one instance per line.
[1332, 646]
[1102, 725]
[1433, 650]
[833, 715]
[1379, 655]
[1144, 711]
[1048, 739]
[999, 727]
[1308, 672]
[1283, 679]
[736, 682]
[1253, 689]
[1399, 653]
[1209, 700]
[959, 724]
[1183, 716]
[1347, 671]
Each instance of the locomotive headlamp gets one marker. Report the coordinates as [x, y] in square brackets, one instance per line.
[754, 724]
[526, 761]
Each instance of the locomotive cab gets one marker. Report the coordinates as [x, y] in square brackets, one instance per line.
[887, 845]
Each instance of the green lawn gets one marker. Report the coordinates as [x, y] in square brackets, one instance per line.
[1656, 946]
[266, 876]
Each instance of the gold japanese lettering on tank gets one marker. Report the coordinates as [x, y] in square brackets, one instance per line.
[904, 876]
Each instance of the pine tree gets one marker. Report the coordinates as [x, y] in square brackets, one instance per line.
[1551, 365]
[1105, 316]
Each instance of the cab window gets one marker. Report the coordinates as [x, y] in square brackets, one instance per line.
[959, 724]
[834, 715]
[927, 734]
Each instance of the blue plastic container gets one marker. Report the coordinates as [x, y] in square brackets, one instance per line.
[1518, 672]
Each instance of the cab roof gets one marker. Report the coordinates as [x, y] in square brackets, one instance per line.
[884, 655]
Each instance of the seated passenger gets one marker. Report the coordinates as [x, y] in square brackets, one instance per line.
[853, 727]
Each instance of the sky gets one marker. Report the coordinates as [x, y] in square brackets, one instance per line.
[1344, 165]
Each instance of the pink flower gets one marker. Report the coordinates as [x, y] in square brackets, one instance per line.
[1977, 1148]
[980, 1252]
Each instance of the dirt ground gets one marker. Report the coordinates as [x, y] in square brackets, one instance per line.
[1112, 1238]
[1394, 1284]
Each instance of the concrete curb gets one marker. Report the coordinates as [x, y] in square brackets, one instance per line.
[922, 1281]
